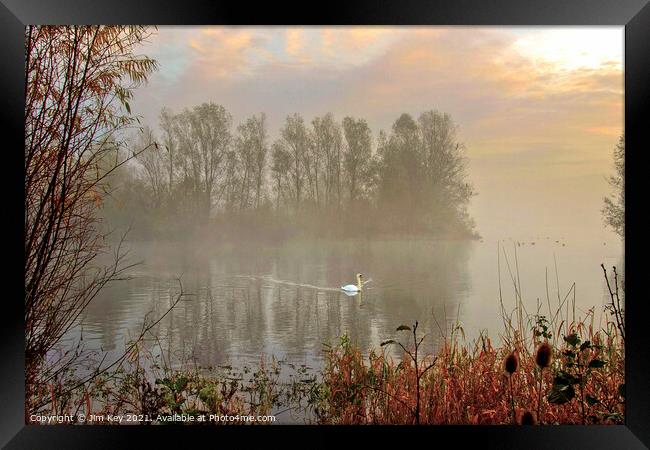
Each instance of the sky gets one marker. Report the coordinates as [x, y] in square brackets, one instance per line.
[539, 109]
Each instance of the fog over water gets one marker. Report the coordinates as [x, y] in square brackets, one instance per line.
[248, 301]
[539, 112]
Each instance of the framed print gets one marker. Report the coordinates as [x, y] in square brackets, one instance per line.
[376, 219]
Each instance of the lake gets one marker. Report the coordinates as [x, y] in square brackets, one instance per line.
[246, 302]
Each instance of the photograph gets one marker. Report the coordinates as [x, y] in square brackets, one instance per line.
[324, 225]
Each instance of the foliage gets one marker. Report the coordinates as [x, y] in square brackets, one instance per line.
[614, 208]
[470, 386]
[79, 80]
[151, 395]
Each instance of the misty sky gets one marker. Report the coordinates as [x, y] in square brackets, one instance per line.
[539, 109]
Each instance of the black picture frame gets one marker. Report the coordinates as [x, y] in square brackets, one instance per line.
[633, 14]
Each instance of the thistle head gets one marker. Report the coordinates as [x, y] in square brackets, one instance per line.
[544, 355]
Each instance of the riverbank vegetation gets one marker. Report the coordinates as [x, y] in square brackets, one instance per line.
[79, 80]
[552, 368]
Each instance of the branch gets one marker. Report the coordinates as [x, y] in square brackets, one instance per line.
[128, 351]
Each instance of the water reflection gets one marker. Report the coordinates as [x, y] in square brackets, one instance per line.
[245, 302]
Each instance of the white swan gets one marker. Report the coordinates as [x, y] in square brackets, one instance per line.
[352, 287]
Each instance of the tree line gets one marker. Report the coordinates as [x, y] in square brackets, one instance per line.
[200, 166]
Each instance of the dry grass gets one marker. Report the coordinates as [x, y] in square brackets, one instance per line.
[479, 383]
[467, 385]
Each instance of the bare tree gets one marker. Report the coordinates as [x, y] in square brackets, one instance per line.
[211, 131]
[295, 140]
[261, 150]
[204, 138]
[153, 164]
[358, 153]
[250, 145]
[280, 169]
[169, 143]
[229, 192]
[327, 142]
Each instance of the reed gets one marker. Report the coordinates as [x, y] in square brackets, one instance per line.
[478, 383]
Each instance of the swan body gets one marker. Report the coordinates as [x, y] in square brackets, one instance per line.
[352, 287]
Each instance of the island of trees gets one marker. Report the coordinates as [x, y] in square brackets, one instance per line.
[324, 177]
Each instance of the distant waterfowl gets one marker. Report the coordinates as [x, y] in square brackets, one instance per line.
[354, 288]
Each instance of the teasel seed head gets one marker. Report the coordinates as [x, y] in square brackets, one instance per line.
[527, 418]
[511, 363]
[544, 355]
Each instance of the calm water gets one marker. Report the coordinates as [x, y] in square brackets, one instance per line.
[249, 301]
